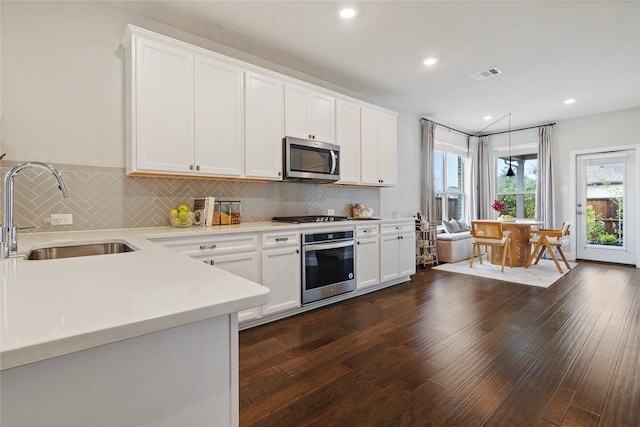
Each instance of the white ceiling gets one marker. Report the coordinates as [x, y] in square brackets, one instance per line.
[547, 50]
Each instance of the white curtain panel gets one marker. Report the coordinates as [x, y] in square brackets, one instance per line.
[480, 197]
[544, 190]
[428, 193]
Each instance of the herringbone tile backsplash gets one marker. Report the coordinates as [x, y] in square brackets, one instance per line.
[103, 198]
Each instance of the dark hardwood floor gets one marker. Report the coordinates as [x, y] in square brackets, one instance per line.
[447, 349]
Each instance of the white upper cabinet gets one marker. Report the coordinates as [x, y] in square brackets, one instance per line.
[263, 126]
[348, 138]
[186, 112]
[218, 118]
[378, 154]
[162, 109]
[194, 112]
[309, 114]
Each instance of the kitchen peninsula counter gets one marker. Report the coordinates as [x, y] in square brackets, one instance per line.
[143, 338]
[55, 307]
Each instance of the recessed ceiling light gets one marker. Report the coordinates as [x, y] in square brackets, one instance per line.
[430, 61]
[487, 118]
[347, 13]
[569, 100]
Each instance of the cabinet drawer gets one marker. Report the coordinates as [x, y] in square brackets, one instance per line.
[366, 231]
[398, 228]
[213, 244]
[285, 238]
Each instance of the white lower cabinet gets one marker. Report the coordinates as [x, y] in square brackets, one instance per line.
[245, 265]
[397, 251]
[281, 271]
[385, 254]
[367, 256]
[235, 253]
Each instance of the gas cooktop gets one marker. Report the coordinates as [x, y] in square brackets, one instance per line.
[309, 218]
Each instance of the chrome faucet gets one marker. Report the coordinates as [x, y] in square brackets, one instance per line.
[9, 232]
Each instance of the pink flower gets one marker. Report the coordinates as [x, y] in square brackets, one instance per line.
[498, 205]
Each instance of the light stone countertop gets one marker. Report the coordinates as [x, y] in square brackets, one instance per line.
[55, 307]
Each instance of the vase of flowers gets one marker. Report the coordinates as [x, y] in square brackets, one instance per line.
[498, 206]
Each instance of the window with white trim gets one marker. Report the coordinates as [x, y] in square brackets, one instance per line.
[518, 192]
[449, 185]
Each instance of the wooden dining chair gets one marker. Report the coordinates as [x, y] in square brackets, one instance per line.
[490, 234]
[548, 240]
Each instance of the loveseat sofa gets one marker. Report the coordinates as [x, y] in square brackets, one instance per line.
[455, 242]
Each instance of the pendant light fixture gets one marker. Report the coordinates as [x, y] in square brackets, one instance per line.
[510, 172]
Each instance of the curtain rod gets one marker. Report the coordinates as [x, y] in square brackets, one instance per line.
[447, 127]
[516, 130]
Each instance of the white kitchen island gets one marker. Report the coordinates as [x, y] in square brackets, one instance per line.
[145, 338]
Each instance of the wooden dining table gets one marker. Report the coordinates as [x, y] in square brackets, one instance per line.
[519, 248]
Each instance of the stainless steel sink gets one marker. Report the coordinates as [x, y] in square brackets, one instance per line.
[80, 250]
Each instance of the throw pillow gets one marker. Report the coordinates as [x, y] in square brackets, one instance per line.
[451, 226]
[463, 225]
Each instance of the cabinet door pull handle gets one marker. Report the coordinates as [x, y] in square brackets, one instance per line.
[211, 246]
[281, 239]
[198, 167]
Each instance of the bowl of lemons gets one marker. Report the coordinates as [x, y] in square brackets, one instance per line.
[181, 216]
[507, 218]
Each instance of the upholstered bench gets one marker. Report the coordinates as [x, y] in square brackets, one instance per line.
[454, 247]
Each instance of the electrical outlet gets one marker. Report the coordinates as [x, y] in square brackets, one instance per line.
[61, 219]
[331, 212]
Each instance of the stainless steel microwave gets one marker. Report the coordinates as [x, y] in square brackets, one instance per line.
[310, 161]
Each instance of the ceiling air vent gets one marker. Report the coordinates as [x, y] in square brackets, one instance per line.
[485, 74]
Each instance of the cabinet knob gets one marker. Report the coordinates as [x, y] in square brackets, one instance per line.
[358, 243]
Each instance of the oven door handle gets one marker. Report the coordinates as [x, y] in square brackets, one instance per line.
[321, 246]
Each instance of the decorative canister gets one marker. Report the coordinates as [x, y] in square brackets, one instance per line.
[235, 212]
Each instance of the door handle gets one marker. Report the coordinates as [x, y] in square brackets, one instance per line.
[579, 212]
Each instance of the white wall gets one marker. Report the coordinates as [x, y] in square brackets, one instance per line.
[63, 83]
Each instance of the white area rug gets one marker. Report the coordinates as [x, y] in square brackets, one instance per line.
[544, 274]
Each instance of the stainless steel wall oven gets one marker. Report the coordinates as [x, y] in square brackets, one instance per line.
[328, 265]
